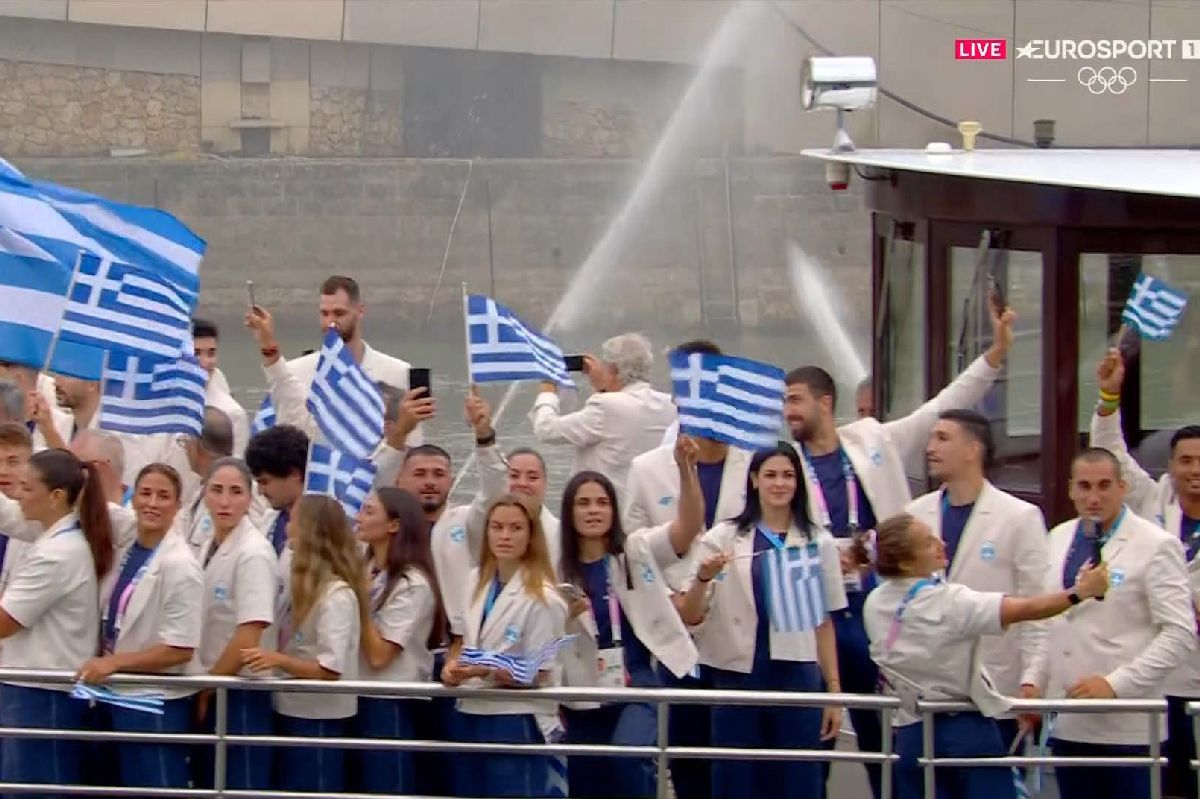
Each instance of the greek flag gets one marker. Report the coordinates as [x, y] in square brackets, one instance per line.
[1154, 308]
[144, 397]
[33, 297]
[795, 589]
[502, 348]
[336, 474]
[345, 403]
[121, 307]
[734, 400]
[264, 418]
[146, 703]
[524, 669]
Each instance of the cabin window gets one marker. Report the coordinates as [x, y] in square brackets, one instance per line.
[904, 330]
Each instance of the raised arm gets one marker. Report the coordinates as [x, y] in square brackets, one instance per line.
[689, 522]
[582, 428]
[288, 394]
[1106, 429]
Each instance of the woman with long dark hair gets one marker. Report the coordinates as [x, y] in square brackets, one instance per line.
[766, 626]
[621, 609]
[50, 611]
[406, 623]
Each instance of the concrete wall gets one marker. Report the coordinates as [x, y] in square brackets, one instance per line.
[289, 223]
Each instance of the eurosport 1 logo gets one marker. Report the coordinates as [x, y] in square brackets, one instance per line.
[1097, 79]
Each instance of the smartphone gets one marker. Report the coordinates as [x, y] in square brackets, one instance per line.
[574, 363]
[997, 295]
[419, 377]
[250, 291]
[570, 591]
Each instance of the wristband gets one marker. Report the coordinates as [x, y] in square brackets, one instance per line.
[1109, 397]
[701, 579]
[1110, 406]
[486, 441]
[270, 352]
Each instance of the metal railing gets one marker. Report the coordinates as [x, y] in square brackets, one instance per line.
[662, 753]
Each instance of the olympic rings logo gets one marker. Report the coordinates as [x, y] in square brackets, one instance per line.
[1107, 79]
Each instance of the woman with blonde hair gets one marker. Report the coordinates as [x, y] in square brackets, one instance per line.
[321, 615]
[513, 609]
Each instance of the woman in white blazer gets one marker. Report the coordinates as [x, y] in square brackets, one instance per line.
[925, 636]
[752, 643]
[149, 625]
[514, 609]
[240, 586]
[320, 624]
[622, 612]
[49, 613]
[406, 623]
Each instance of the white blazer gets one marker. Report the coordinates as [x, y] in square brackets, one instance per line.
[162, 608]
[1142, 631]
[240, 586]
[610, 430]
[519, 624]
[726, 637]
[330, 634]
[405, 619]
[652, 499]
[289, 383]
[1002, 550]
[879, 452]
[220, 397]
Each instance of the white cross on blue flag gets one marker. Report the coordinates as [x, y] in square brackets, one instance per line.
[795, 588]
[345, 403]
[144, 397]
[1154, 308]
[502, 348]
[336, 474]
[734, 400]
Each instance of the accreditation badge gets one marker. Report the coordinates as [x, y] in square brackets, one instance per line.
[610, 666]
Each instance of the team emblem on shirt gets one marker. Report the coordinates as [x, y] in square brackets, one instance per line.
[512, 634]
[647, 574]
[220, 592]
[876, 456]
[665, 500]
[458, 534]
[988, 551]
[206, 525]
[1117, 576]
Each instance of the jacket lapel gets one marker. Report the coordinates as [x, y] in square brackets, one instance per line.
[973, 533]
[146, 586]
[743, 552]
[502, 610]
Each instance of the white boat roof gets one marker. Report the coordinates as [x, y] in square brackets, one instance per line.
[1164, 172]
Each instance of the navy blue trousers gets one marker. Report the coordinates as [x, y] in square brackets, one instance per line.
[40, 760]
[1179, 779]
[1084, 782]
[859, 675]
[246, 767]
[154, 765]
[954, 735]
[612, 777]
[689, 725]
[501, 775]
[314, 769]
[381, 770]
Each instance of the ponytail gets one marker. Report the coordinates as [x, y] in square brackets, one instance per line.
[94, 520]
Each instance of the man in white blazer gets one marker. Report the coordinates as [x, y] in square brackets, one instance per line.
[855, 475]
[624, 417]
[1173, 503]
[278, 458]
[994, 542]
[206, 337]
[1124, 647]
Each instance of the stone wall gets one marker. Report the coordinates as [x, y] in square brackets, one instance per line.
[50, 109]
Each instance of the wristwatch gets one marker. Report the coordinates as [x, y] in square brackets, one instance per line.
[1074, 598]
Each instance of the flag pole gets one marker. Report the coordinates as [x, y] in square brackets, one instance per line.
[103, 381]
[467, 339]
[58, 328]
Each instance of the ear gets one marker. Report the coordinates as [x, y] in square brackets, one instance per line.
[826, 402]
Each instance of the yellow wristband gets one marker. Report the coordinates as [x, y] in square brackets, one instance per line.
[1109, 397]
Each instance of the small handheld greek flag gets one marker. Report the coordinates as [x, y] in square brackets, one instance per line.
[795, 588]
[344, 402]
[734, 400]
[144, 397]
[524, 669]
[502, 348]
[264, 418]
[336, 474]
[1154, 308]
[147, 703]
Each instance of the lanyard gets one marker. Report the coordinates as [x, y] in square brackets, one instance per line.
[898, 617]
[1191, 540]
[818, 493]
[775, 540]
[283, 613]
[490, 602]
[378, 583]
[614, 606]
[127, 594]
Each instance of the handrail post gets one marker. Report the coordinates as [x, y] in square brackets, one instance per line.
[1156, 753]
[927, 749]
[221, 728]
[885, 768]
[662, 782]
[1196, 738]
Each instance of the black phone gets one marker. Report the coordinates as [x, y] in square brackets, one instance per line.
[996, 295]
[419, 377]
[574, 363]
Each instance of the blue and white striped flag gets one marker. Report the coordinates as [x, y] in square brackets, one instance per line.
[1154, 308]
[265, 418]
[120, 307]
[523, 668]
[795, 588]
[144, 397]
[734, 400]
[146, 703]
[502, 348]
[344, 402]
[335, 474]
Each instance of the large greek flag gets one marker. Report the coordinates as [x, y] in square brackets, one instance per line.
[336, 474]
[265, 417]
[502, 348]
[795, 588]
[143, 397]
[122, 307]
[1154, 308]
[734, 400]
[345, 404]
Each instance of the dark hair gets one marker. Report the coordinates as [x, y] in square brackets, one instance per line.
[892, 546]
[818, 381]
[203, 328]
[410, 548]
[976, 426]
[15, 434]
[335, 283]
[58, 469]
[1185, 433]
[235, 463]
[700, 346]
[752, 513]
[216, 436]
[570, 568]
[278, 451]
[166, 471]
[1098, 455]
[528, 451]
[426, 450]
